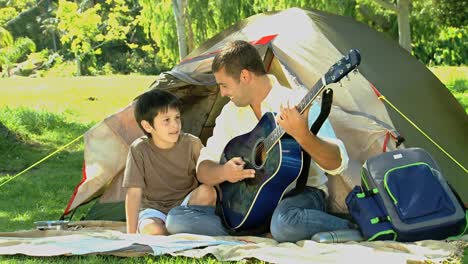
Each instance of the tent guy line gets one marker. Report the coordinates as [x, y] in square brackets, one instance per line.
[43, 159]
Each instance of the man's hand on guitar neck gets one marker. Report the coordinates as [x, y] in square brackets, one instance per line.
[294, 123]
[212, 173]
[325, 154]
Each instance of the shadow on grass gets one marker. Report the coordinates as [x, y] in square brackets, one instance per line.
[42, 192]
[31, 135]
[458, 85]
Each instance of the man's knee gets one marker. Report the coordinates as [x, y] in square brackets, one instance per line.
[203, 195]
[278, 227]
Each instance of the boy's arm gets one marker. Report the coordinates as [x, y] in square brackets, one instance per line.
[132, 206]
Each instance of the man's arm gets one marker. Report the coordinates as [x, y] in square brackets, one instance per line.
[325, 154]
[132, 206]
[212, 173]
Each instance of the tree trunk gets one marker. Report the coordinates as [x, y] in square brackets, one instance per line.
[178, 7]
[402, 9]
[191, 38]
[404, 30]
[78, 65]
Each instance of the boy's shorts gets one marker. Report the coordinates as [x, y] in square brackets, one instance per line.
[153, 213]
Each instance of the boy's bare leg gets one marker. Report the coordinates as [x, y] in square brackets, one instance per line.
[153, 226]
[203, 195]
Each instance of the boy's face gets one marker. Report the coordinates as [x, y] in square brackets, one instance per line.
[166, 128]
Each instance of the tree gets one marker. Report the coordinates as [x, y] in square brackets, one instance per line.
[6, 39]
[178, 7]
[173, 23]
[402, 9]
[452, 13]
[85, 30]
[28, 21]
[11, 51]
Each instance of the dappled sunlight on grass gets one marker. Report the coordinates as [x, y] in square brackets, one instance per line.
[22, 217]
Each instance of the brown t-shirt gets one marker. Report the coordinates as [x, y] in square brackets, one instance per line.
[165, 175]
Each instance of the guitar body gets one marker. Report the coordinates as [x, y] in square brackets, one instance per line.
[248, 203]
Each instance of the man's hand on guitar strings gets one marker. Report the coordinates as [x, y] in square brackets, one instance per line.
[294, 123]
[233, 170]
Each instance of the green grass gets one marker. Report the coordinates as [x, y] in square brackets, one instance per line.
[41, 115]
[456, 80]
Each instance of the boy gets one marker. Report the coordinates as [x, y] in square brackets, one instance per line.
[160, 169]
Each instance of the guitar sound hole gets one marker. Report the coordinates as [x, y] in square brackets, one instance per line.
[260, 154]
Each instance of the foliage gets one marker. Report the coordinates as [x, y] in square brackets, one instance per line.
[9, 9]
[377, 17]
[451, 12]
[14, 52]
[130, 36]
[28, 18]
[206, 18]
[7, 14]
[19, 5]
[6, 39]
[85, 30]
[159, 24]
[436, 44]
[59, 68]
[340, 7]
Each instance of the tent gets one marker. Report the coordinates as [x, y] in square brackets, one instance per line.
[298, 47]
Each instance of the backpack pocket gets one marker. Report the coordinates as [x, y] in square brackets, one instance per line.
[366, 212]
[417, 193]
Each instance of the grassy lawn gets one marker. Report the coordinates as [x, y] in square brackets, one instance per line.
[41, 115]
[456, 80]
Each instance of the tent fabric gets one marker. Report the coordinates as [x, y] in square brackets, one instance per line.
[106, 238]
[299, 58]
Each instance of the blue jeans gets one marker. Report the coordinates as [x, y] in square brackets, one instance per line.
[296, 218]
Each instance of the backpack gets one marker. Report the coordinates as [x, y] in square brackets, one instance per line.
[404, 197]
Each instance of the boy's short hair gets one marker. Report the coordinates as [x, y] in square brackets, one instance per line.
[153, 102]
[235, 57]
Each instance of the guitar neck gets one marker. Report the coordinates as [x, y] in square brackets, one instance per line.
[278, 132]
[337, 71]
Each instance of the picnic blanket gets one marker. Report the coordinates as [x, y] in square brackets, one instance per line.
[87, 238]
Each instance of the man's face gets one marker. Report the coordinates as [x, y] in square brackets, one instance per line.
[234, 88]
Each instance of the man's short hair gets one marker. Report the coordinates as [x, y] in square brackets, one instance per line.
[236, 56]
[153, 102]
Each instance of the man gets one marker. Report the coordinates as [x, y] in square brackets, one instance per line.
[241, 76]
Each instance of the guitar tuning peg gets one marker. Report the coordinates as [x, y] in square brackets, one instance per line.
[341, 84]
[347, 77]
[356, 71]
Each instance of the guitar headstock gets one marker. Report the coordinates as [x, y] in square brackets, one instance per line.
[344, 66]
